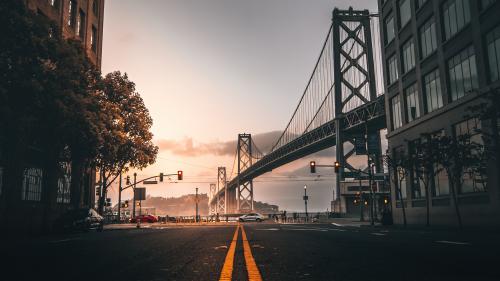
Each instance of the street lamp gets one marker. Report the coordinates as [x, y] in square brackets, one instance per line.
[196, 199]
[305, 201]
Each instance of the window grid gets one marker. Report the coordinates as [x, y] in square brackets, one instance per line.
[81, 25]
[389, 29]
[493, 45]
[412, 103]
[428, 41]
[64, 184]
[393, 69]
[408, 56]
[456, 14]
[463, 73]
[396, 112]
[71, 13]
[93, 39]
[404, 11]
[473, 181]
[32, 184]
[434, 97]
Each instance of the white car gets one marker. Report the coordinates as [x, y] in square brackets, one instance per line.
[251, 217]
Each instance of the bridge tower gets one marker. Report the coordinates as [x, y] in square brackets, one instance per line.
[355, 85]
[212, 206]
[221, 185]
[245, 189]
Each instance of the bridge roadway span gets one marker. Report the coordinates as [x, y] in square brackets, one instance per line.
[314, 141]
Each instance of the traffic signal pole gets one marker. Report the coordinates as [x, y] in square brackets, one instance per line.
[133, 206]
[120, 197]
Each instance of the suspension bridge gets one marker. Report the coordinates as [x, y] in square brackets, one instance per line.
[342, 104]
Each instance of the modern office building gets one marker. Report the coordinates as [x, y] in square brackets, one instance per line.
[82, 20]
[440, 57]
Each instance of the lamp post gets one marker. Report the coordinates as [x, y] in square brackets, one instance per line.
[196, 199]
[305, 201]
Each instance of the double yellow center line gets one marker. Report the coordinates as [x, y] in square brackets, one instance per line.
[252, 269]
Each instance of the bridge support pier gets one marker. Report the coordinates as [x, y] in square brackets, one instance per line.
[221, 185]
[354, 85]
[245, 189]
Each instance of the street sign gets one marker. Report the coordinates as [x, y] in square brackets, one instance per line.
[150, 182]
[140, 193]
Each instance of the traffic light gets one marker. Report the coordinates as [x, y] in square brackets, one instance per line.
[138, 203]
[161, 177]
[126, 204]
[312, 165]
[386, 201]
[337, 167]
[128, 180]
[179, 175]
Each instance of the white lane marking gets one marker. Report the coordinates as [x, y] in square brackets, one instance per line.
[378, 234]
[336, 229]
[269, 229]
[64, 240]
[337, 224]
[452, 242]
[220, 247]
[306, 229]
[257, 246]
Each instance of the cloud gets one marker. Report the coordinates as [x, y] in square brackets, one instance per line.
[190, 148]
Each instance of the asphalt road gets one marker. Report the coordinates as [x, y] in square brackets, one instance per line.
[279, 252]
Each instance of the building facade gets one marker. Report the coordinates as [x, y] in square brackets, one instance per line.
[440, 57]
[83, 20]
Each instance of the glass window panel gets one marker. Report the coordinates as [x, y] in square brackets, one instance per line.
[404, 12]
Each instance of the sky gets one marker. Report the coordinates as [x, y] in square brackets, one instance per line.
[211, 69]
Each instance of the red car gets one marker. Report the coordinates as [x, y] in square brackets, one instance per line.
[145, 218]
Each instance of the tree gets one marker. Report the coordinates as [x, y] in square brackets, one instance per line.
[422, 159]
[127, 138]
[399, 166]
[459, 155]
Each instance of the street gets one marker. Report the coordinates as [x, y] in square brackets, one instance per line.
[280, 252]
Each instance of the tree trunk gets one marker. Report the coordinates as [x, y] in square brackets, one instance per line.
[402, 203]
[77, 170]
[455, 203]
[49, 192]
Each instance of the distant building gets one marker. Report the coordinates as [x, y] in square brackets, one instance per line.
[355, 198]
[439, 56]
[81, 19]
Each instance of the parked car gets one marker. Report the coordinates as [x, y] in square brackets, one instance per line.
[251, 217]
[80, 219]
[171, 219]
[144, 218]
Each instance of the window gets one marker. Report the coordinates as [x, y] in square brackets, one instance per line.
[389, 29]
[80, 30]
[493, 45]
[392, 63]
[428, 41]
[417, 185]
[72, 13]
[474, 180]
[456, 14]
[64, 184]
[420, 3]
[441, 182]
[95, 8]
[412, 103]
[404, 12]
[408, 56]
[93, 39]
[463, 73]
[396, 112]
[400, 175]
[432, 87]
[32, 184]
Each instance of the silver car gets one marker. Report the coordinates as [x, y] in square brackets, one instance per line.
[251, 217]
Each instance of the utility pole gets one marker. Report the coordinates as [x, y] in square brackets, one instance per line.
[196, 199]
[120, 198]
[133, 207]
[305, 201]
